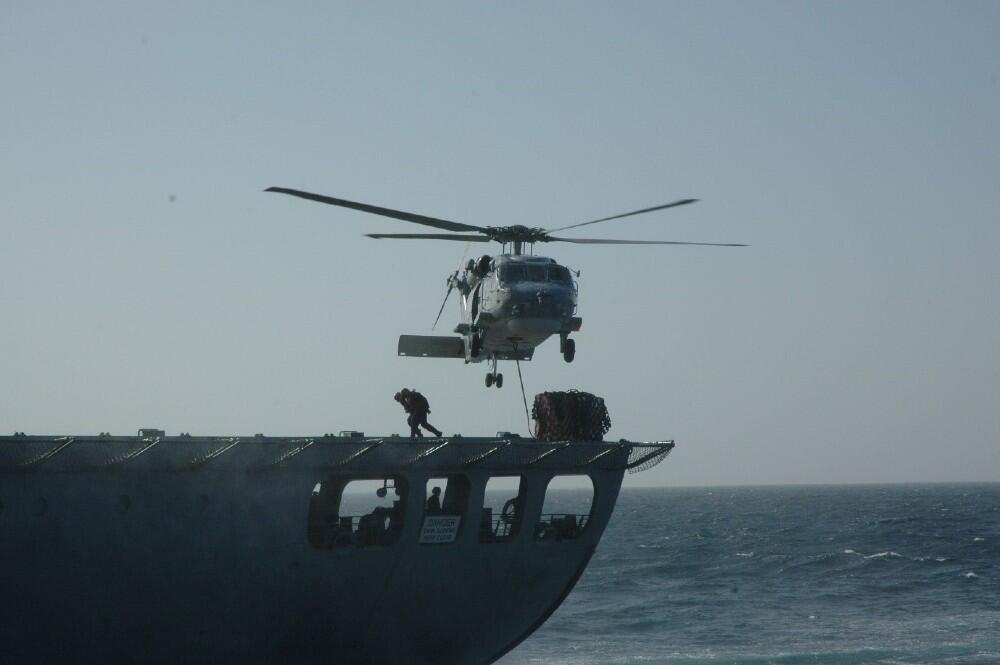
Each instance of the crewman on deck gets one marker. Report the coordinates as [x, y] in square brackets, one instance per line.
[417, 407]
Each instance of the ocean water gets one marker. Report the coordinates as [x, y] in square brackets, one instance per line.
[845, 575]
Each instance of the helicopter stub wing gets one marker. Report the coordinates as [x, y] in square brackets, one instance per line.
[431, 346]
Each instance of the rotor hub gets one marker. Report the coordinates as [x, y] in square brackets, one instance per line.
[516, 233]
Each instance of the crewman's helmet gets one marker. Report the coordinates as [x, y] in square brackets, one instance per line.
[398, 396]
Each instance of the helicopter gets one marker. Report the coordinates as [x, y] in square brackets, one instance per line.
[511, 302]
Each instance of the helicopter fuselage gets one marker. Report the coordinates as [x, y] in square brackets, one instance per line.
[510, 304]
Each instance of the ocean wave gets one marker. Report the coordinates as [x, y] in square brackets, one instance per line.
[904, 519]
[885, 555]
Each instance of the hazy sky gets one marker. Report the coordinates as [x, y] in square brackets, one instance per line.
[146, 280]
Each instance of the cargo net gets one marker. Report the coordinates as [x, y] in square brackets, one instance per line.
[641, 458]
[570, 416]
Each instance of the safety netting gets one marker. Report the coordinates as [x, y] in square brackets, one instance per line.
[641, 458]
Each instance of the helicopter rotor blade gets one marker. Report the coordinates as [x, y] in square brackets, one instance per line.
[608, 241]
[376, 210]
[626, 214]
[429, 236]
[451, 283]
[465, 253]
[443, 303]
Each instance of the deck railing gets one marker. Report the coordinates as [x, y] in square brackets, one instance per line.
[560, 526]
[376, 528]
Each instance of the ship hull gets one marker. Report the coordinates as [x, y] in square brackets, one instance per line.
[155, 565]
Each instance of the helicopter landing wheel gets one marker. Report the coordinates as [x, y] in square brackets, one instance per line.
[498, 380]
[569, 350]
[489, 379]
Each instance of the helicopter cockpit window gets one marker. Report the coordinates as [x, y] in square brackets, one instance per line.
[512, 273]
[559, 274]
[534, 273]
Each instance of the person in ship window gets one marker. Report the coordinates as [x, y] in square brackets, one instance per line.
[417, 407]
[434, 503]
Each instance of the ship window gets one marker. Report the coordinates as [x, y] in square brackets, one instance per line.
[452, 498]
[567, 507]
[354, 512]
[444, 509]
[503, 509]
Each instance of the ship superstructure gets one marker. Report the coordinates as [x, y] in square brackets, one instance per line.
[169, 549]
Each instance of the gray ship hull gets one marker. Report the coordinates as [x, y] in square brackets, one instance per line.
[108, 556]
